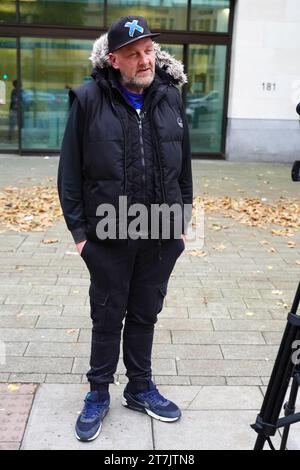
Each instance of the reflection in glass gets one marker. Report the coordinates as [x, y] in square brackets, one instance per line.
[50, 67]
[176, 50]
[8, 95]
[204, 107]
[62, 12]
[8, 12]
[210, 15]
[160, 14]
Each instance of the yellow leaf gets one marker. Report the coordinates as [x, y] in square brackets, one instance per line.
[198, 253]
[249, 314]
[220, 247]
[13, 388]
[215, 227]
[50, 240]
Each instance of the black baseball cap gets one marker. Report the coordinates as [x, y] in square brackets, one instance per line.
[126, 30]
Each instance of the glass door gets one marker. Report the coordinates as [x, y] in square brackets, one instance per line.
[205, 96]
[9, 99]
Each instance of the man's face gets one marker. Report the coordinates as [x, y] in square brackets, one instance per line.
[136, 63]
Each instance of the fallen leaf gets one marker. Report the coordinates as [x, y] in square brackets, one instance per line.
[277, 292]
[249, 314]
[13, 388]
[282, 304]
[199, 253]
[220, 247]
[265, 242]
[50, 240]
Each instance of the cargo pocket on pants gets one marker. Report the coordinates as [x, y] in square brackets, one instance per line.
[98, 301]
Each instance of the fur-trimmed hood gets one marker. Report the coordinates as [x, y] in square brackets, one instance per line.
[163, 60]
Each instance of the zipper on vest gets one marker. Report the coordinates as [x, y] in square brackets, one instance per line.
[156, 146]
[125, 141]
[140, 117]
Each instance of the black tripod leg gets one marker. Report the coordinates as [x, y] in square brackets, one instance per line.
[266, 422]
[260, 442]
[267, 419]
[290, 407]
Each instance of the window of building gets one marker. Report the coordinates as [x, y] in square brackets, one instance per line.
[49, 65]
[210, 15]
[49, 68]
[8, 12]
[63, 12]
[160, 14]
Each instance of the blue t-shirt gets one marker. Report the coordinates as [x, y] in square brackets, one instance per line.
[136, 99]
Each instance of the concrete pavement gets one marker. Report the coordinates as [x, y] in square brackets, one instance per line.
[216, 338]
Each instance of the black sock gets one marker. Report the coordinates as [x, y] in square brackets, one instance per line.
[138, 387]
[102, 388]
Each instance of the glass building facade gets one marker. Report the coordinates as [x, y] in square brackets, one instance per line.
[45, 47]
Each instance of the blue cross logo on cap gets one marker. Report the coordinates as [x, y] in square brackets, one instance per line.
[133, 26]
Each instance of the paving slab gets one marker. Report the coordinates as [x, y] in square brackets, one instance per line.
[56, 407]
[207, 430]
[54, 413]
[15, 404]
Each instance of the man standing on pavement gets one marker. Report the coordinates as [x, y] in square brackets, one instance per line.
[126, 136]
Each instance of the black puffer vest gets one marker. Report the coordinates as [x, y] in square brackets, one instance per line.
[125, 156]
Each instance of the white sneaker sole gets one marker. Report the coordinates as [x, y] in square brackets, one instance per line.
[92, 438]
[150, 413]
[95, 435]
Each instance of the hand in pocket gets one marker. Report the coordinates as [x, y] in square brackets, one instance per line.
[80, 246]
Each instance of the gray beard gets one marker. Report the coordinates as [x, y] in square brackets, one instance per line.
[137, 83]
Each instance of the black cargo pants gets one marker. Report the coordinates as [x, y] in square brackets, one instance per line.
[128, 283]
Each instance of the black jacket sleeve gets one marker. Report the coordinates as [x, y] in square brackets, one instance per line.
[70, 177]
[185, 178]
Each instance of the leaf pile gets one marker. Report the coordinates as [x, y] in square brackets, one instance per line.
[256, 213]
[29, 209]
[37, 208]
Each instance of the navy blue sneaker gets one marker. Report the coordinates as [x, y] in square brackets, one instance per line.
[152, 403]
[89, 422]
